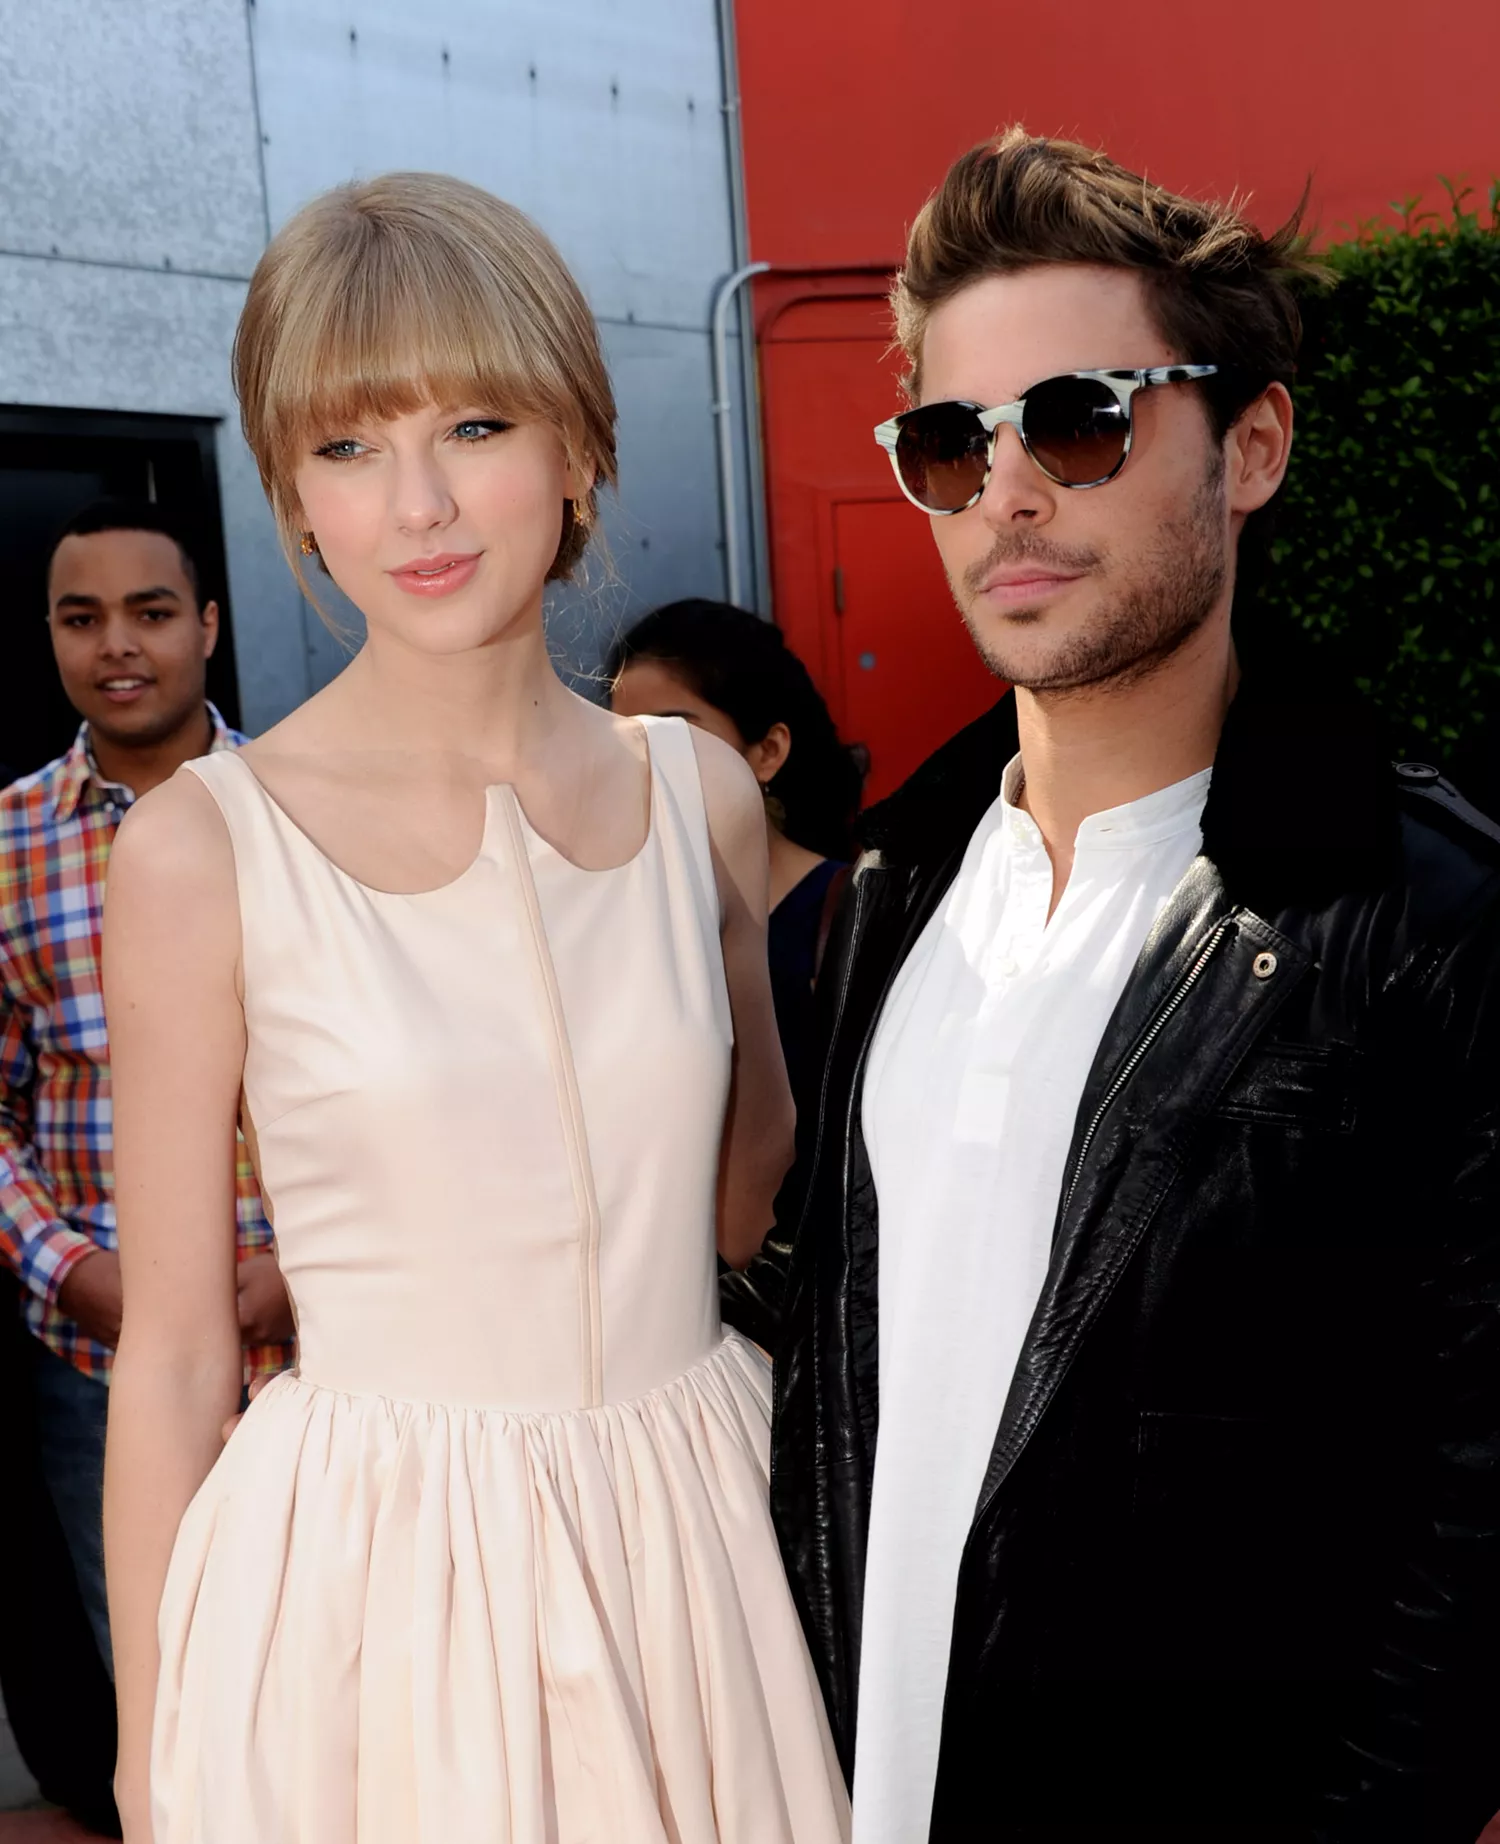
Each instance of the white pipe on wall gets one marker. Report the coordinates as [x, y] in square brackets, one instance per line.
[727, 291]
[739, 228]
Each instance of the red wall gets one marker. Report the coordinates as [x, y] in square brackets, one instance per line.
[854, 108]
[852, 111]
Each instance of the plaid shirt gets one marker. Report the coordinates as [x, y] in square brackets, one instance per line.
[56, 1185]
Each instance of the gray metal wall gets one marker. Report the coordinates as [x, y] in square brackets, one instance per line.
[148, 147]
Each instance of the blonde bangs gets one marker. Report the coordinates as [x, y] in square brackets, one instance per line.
[366, 346]
[382, 297]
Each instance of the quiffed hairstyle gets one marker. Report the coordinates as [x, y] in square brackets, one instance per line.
[1221, 292]
[743, 667]
[390, 293]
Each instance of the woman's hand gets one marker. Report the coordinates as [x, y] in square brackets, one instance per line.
[757, 1144]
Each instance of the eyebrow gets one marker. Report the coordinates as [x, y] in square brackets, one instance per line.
[136, 598]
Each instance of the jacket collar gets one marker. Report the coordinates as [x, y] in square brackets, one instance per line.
[1303, 803]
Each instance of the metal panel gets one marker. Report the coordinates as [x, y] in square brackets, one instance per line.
[662, 532]
[605, 123]
[127, 134]
[601, 120]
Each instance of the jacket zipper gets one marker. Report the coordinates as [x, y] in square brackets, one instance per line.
[1132, 1062]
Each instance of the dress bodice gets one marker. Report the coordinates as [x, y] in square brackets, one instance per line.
[488, 1115]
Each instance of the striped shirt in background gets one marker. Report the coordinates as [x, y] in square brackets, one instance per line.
[56, 1182]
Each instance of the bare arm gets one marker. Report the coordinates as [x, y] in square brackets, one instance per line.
[757, 1146]
[177, 1051]
[753, 1299]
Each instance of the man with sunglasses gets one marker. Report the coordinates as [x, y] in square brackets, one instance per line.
[1138, 1422]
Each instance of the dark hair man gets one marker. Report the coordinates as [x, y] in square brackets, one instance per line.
[132, 642]
[1139, 1376]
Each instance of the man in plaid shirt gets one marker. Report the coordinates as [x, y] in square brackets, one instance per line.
[132, 645]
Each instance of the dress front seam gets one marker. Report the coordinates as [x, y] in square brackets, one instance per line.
[565, 1075]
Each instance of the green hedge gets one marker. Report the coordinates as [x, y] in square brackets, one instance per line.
[1387, 543]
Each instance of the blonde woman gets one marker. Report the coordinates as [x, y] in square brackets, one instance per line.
[480, 969]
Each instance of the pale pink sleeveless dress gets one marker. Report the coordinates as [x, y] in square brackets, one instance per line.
[495, 1564]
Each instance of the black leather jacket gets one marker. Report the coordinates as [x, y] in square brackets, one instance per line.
[1236, 1558]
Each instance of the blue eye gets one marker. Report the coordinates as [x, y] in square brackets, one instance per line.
[345, 449]
[476, 428]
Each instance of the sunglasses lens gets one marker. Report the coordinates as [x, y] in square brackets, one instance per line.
[1076, 428]
[941, 455]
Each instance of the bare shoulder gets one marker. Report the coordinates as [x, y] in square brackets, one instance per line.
[731, 795]
[172, 854]
[736, 813]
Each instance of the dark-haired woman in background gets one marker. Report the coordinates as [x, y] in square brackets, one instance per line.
[730, 672]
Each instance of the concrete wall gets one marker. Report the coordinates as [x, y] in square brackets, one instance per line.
[150, 146]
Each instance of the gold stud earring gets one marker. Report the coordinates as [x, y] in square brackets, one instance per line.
[309, 545]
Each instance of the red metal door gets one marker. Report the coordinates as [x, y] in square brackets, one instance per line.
[860, 593]
[910, 674]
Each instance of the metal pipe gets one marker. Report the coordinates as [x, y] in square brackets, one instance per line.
[739, 253]
[726, 292]
[729, 80]
[755, 461]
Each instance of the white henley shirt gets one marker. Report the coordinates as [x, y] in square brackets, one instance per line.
[973, 1086]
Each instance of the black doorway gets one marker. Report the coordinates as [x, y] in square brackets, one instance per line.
[52, 462]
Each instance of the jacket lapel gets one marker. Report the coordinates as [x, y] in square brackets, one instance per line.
[1154, 1081]
[1301, 808]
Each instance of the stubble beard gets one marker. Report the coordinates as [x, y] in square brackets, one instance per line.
[1134, 634]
